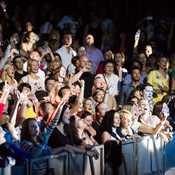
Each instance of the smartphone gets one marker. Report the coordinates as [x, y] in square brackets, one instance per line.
[138, 32]
[149, 18]
[45, 48]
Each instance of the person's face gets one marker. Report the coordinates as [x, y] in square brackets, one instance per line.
[148, 92]
[165, 109]
[89, 40]
[102, 109]
[66, 116]
[75, 89]
[152, 59]
[109, 68]
[2, 136]
[136, 111]
[88, 106]
[32, 37]
[148, 50]
[137, 94]
[126, 121]
[62, 73]
[142, 58]
[49, 85]
[28, 27]
[11, 71]
[99, 96]
[25, 90]
[19, 63]
[84, 61]
[35, 56]
[79, 123]
[81, 51]
[163, 63]
[56, 65]
[118, 59]
[116, 122]
[108, 55]
[144, 106]
[98, 83]
[136, 75]
[67, 39]
[33, 128]
[88, 121]
[48, 108]
[34, 67]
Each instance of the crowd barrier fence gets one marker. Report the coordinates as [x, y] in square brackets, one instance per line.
[148, 155]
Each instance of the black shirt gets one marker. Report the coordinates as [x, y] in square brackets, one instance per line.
[19, 76]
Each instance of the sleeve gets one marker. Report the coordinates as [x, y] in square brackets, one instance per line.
[121, 96]
[20, 152]
[4, 162]
[150, 78]
[28, 147]
[1, 109]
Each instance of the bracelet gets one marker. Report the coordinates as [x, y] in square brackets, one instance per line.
[4, 10]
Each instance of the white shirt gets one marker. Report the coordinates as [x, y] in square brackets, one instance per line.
[65, 56]
[39, 74]
[112, 83]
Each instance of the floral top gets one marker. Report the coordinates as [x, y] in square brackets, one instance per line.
[158, 81]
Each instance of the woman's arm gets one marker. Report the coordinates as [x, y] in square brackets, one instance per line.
[80, 98]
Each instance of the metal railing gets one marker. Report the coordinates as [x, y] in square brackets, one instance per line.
[148, 155]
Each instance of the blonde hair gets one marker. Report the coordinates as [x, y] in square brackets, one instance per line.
[4, 72]
[142, 100]
[53, 94]
[29, 64]
[123, 113]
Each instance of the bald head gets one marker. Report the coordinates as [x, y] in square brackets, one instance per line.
[84, 61]
[35, 56]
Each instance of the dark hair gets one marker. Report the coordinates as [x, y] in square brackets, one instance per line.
[131, 97]
[134, 68]
[107, 122]
[61, 89]
[96, 108]
[25, 135]
[16, 57]
[158, 106]
[49, 78]
[83, 114]
[2, 85]
[67, 128]
[139, 62]
[41, 94]
[22, 85]
[27, 36]
[106, 62]
[72, 125]
[144, 85]
[43, 107]
[73, 99]
[74, 60]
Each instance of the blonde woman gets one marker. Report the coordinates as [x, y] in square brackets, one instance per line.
[54, 92]
[8, 74]
[36, 83]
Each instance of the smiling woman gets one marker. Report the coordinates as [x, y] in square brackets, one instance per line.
[8, 74]
[37, 83]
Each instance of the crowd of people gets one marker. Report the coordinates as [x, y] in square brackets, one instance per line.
[62, 90]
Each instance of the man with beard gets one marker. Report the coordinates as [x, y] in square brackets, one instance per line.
[127, 88]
